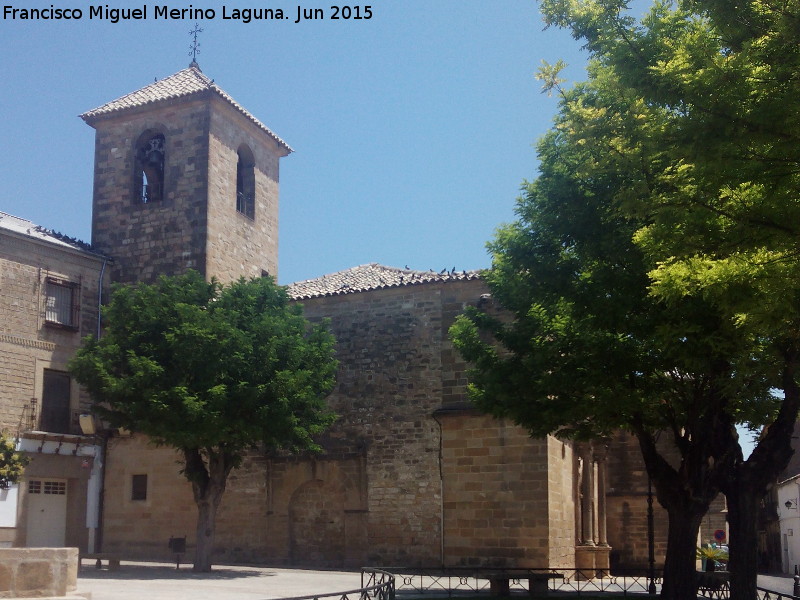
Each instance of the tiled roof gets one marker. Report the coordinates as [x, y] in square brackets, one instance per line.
[28, 229]
[371, 277]
[183, 83]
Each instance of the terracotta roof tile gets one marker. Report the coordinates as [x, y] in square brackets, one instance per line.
[371, 277]
[183, 83]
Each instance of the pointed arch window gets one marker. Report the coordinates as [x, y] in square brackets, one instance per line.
[149, 177]
[246, 182]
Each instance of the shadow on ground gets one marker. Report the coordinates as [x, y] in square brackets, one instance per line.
[147, 572]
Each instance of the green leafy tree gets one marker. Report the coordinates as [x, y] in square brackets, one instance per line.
[581, 348]
[12, 463]
[719, 170]
[212, 371]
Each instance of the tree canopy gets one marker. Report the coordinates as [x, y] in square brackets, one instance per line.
[580, 347]
[683, 143]
[718, 185]
[12, 463]
[212, 371]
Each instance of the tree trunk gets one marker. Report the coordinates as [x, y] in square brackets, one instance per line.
[743, 561]
[207, 470]
[685, 493]
[206, 523]
[750, 480]
[680, 578]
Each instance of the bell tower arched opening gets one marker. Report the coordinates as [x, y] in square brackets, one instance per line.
[149, 174]
[245, 182]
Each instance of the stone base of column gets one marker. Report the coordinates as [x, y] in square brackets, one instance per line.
[592, 561]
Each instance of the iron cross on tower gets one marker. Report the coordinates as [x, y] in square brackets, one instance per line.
[194, 47]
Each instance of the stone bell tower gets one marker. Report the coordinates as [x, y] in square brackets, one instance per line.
[185, 178]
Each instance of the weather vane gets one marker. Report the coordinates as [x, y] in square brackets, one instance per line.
[194, 47]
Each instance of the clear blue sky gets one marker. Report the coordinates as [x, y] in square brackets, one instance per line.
[413, 130]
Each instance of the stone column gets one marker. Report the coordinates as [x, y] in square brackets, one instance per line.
[585, 550]
[587, 496]
[602, 483]
[592, 555]
[602, 561]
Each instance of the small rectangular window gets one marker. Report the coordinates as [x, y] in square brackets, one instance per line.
[53, 488]
[57, 488]
[62, 303]
[139, 487]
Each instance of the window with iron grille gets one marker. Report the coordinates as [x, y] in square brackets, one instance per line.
[62, 303]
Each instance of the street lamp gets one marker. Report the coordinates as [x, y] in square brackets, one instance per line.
[651, 549]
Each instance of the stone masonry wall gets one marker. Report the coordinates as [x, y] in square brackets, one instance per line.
[239, 246]
[27, 344]
[561, 503]
[317, 511]
[142, 528]
[38, 572]
[380, 469]
[374, 496]
[241, 532]
[164, 237]
[497, 496]
[397, 368]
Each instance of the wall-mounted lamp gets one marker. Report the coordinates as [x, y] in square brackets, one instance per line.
[790, 504]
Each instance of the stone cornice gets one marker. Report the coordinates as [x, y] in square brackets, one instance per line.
[26, 342]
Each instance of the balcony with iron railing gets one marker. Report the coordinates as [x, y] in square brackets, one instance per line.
[57, 419]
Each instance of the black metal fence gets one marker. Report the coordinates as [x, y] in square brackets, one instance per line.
[375, 585]
[462, 581]
[770, 595]
[717, 585]
[384, 584]
[465, 580]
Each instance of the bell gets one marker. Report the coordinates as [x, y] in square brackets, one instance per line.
[154, 157]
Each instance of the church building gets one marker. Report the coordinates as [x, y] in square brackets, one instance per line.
[411, 474]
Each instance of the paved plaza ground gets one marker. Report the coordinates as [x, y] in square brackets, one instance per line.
[776, 583]
[161, 581]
